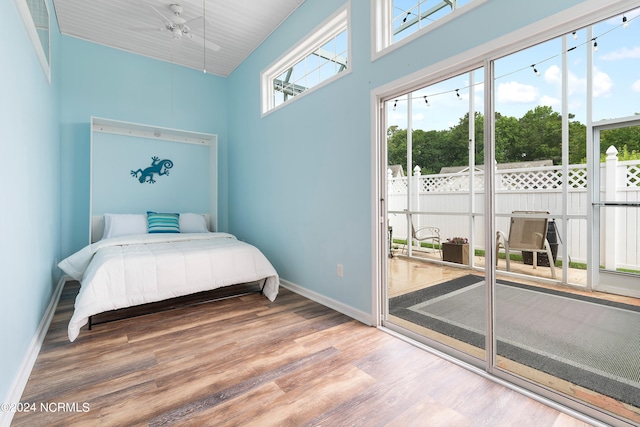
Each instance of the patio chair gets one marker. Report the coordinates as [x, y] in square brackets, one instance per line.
[526, 235]
[426, 234]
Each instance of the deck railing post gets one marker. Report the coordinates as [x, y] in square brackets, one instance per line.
[417, 187]
[610, 195]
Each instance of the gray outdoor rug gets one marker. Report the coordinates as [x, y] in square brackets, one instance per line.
[589, 342]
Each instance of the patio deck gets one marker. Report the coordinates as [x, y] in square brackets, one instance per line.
[411, 274]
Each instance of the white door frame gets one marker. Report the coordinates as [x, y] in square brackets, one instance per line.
[607, 279]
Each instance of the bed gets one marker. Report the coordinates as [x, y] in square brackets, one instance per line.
[134, 260]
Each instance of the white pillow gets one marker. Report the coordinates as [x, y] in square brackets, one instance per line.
[192, 223]
[116, 225]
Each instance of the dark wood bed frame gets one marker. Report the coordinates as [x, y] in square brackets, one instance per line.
[178, 302]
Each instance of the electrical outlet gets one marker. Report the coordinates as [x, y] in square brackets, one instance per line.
[340, 270]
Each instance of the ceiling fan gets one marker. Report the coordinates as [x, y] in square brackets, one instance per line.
[180, 27]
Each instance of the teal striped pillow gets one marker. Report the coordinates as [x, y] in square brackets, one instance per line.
[163, 222]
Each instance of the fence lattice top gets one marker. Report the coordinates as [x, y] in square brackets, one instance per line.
[539, 178]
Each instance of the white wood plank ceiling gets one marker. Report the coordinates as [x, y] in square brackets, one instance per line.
[232, 29]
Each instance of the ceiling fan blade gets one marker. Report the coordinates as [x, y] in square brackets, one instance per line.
[198, 22]
[149, 29]
[201, 41]
[167, 21]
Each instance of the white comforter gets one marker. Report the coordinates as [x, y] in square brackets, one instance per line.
[133, 270]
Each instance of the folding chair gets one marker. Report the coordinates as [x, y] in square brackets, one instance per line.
[526, 235]
[426, 234]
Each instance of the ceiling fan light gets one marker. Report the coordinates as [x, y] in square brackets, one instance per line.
[177, 19]
[176, 8]
[177, 32]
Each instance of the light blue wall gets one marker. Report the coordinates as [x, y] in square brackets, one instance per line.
[29, 190]
[108, 83]
[185, 187]
[300, 179]
[296, 183]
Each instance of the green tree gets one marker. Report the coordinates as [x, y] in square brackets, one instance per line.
[628, 137]
[458, 144]
[577, 142]
[507, 137]
[537, 135]
[540, 136]
[396, 146]
[428, 150]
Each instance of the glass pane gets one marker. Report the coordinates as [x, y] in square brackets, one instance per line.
[40, 16]
[620, 225]
[409, 16]
[430, 211]
[616, 86]
[564, 337]
[529, 139]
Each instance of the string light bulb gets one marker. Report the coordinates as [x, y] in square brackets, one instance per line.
[595, 45]
[575, 35]
[458, 95]
[395, 104]
[535, 70]
[426, 101]
[625, 24]
[405, 17]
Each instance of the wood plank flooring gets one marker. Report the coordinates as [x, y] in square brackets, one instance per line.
[247, 361]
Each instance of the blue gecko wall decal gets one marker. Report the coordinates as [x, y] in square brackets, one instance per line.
[160, 167]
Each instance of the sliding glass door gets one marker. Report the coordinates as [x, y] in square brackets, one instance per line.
[615, 209]
[435, 172]
[513, 217]
[566, 316]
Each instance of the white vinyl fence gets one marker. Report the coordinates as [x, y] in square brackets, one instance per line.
[444, 201]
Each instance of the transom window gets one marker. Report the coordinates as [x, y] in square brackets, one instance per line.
[319, 58]
[398, 20]
[410, 16]
[35, 15]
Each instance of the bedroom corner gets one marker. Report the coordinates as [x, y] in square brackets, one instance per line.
[29, 192]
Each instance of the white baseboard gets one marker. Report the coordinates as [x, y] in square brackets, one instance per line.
[347, 310]
[20, 381]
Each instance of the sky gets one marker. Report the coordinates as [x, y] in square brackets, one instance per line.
[616, 80]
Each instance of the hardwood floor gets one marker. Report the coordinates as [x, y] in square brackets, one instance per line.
[247, 361]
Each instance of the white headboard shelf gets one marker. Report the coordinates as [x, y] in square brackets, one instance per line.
[150, 132]
[118, 147]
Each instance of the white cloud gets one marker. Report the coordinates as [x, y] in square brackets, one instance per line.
[553, 75]
[550, 101]
[636, 86]
[602, 84]
[518, 93]
[622, 53]
[418, 117]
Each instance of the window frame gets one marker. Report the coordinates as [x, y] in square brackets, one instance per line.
[578, 16]
[338, 22]
[382, 26]
[29, 23]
